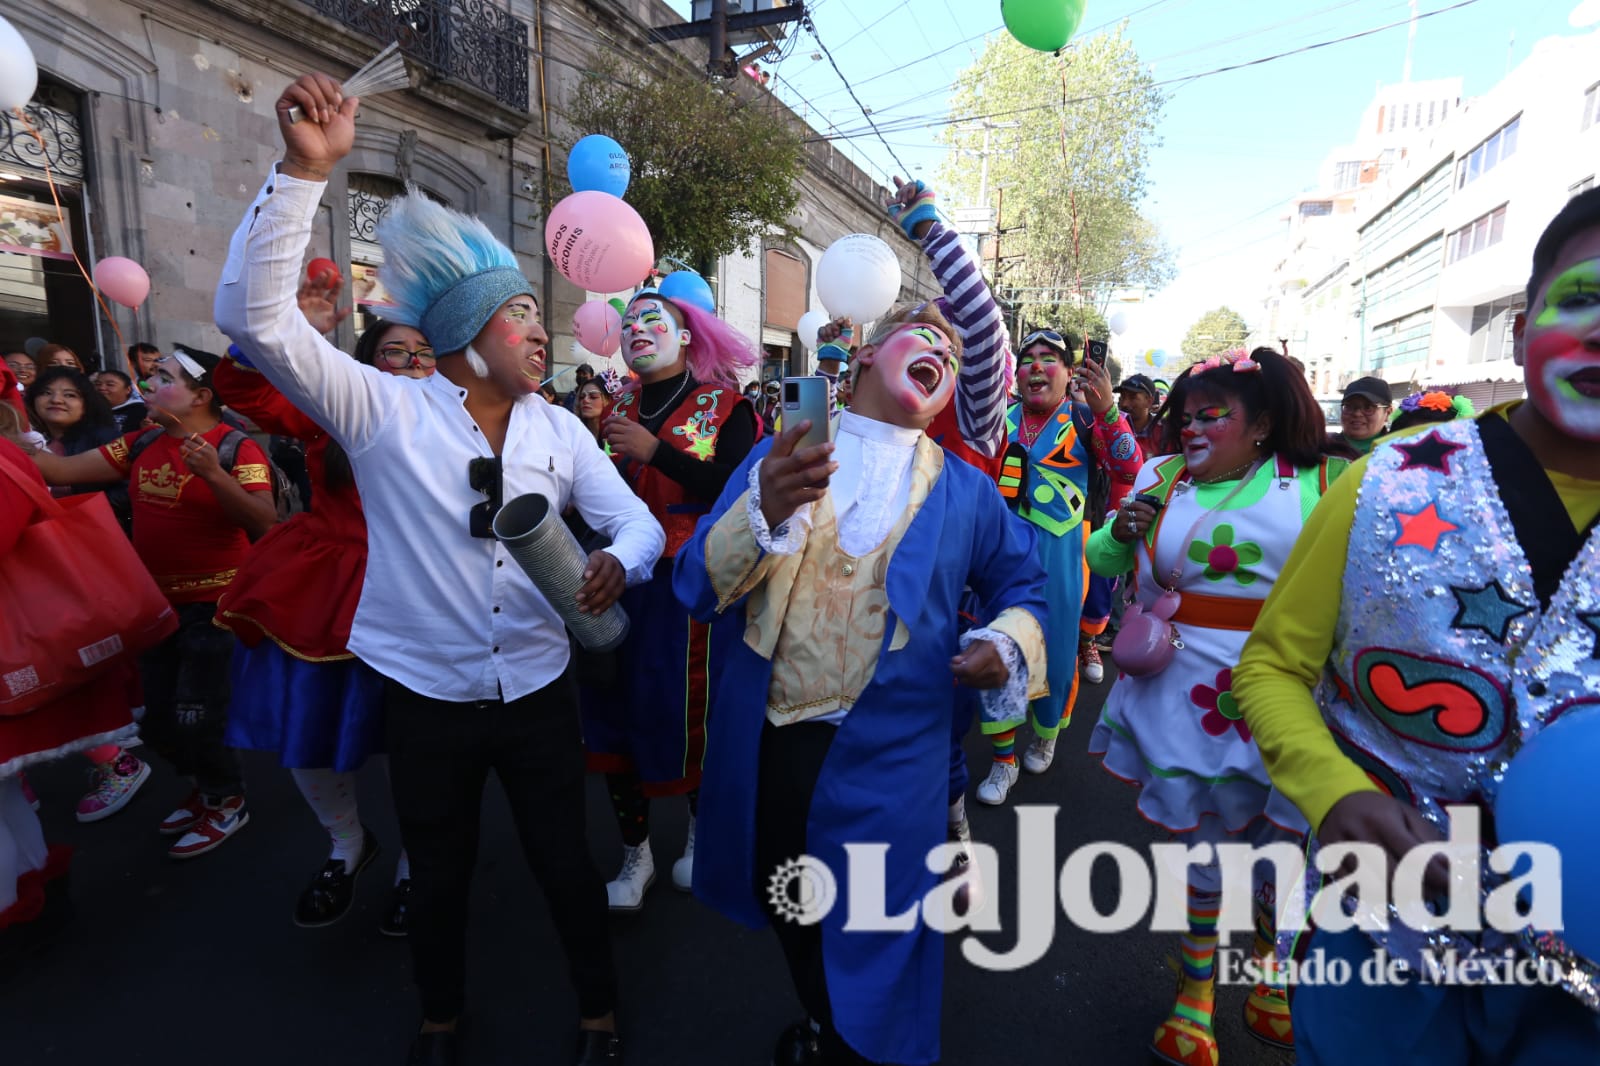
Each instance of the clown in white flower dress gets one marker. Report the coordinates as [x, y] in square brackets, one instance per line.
[1177, 734]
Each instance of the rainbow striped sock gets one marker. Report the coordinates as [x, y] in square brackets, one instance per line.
[1197, 995]
[1265, 944]
[1005, 746]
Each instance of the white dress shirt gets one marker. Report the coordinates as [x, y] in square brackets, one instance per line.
[446, 614]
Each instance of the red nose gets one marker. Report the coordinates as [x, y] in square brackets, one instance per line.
[1187, 435]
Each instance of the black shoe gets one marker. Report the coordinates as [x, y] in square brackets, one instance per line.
[328, 896]
[798, 1046]
[596, 1046]
[394, 923]
[433, 1049]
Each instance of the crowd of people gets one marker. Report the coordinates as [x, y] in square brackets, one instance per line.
[815, 628]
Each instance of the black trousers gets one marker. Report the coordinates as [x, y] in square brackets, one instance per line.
[791, 759]
[440, 755]
[186, 694]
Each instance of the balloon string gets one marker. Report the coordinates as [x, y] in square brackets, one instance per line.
[44, 159]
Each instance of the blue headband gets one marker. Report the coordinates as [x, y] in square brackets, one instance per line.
[461, 311]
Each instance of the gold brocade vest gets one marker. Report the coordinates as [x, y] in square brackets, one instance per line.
[838, 606]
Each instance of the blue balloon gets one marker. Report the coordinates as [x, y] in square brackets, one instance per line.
[687, 287]
[1541, 800]
[598, 164]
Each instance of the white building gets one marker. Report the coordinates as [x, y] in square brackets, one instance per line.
[1309, 297]
[1444, 233]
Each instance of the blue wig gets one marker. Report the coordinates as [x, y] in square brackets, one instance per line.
[445, 272]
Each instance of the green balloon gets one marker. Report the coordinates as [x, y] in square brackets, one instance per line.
[1046, 25]
[616, 301]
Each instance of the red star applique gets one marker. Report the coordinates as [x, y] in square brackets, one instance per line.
[1422, 529]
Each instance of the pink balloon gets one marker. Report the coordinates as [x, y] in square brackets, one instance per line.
[599, 327]
[123, 280]
[598, 242]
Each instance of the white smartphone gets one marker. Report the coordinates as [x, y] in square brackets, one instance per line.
[807, 398]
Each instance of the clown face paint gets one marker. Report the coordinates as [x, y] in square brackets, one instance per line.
[918, 369]
[1215, 438]
[652, 341]
[1562, 351]
[512, 346]
[1043, 376]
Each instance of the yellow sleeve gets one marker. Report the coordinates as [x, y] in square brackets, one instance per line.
[1284, 658]
[735, 563]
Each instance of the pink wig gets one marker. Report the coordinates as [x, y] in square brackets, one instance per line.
[716, 352]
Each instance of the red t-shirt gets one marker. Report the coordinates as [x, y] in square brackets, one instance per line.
[179, 529]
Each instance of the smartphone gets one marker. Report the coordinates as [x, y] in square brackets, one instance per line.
[1152, 502]
[1096, 351]
[807, 398]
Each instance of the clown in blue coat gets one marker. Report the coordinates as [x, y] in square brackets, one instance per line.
[843, 565]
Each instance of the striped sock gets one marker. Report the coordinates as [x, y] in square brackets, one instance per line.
[1197, 995]
[1005, 746]
[1265, 944]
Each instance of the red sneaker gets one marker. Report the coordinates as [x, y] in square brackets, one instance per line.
[185, 817]
[216, 824]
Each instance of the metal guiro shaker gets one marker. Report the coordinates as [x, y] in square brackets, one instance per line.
[548, 553]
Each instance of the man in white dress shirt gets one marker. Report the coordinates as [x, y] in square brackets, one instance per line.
[476, 658]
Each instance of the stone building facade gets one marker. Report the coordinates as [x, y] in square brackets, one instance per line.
[156, 118]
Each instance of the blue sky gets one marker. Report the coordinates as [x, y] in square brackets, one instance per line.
[1234, 146]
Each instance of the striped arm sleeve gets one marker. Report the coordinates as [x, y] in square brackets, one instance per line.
[980, 390]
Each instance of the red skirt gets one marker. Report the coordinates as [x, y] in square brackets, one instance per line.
[300, 584]
[100, 712]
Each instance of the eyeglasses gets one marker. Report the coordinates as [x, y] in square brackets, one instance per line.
[400, 357]
[485, 475]
[1359, 405]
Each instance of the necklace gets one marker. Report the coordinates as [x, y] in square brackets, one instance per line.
[1029, 433]
[1229, 476]
[652, 416]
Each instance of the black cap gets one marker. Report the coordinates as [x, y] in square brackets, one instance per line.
[1138, 383]
[1374, 389]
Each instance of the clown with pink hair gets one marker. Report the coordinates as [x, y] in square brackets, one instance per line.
[677, 433]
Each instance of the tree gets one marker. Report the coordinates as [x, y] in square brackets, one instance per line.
[1068, 139]
[714, 167]
[1215, 332]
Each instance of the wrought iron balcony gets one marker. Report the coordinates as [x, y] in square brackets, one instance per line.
[469, 41]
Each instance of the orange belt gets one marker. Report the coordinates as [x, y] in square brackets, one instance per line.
[1217, 612]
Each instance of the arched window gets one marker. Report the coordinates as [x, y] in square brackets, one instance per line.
[42, 295]
[367, 198]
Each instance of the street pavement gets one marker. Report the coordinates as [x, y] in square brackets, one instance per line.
[178, 963]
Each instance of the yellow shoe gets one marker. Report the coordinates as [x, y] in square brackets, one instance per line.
[1182, 1043]
[1266, 1017]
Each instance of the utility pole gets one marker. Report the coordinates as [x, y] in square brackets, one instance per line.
[1411, 43]
[716, 28]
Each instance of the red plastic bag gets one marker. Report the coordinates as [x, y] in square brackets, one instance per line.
[74, 598]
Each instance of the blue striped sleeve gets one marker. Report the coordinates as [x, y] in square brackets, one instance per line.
[980, 390]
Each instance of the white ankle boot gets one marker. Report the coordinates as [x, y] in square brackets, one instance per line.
[683, 869]
[1040, 754]
[995, 787]
[638, 873]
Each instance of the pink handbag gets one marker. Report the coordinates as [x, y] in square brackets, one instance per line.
[1147, 640]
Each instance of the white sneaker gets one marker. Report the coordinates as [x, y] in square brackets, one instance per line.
[626, 893]
[1040, 754]
[683, 869]
[993, 791]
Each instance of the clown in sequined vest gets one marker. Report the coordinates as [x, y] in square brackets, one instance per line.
[1445, 660]
[692, 427]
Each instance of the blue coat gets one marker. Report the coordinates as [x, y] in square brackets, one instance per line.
[885, 776]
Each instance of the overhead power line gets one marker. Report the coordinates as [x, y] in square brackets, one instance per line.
[929, 121]
[811, 27]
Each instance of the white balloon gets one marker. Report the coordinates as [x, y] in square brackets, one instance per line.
[807, 328]
[1118, 322]
[859, 277]
[19, 74]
